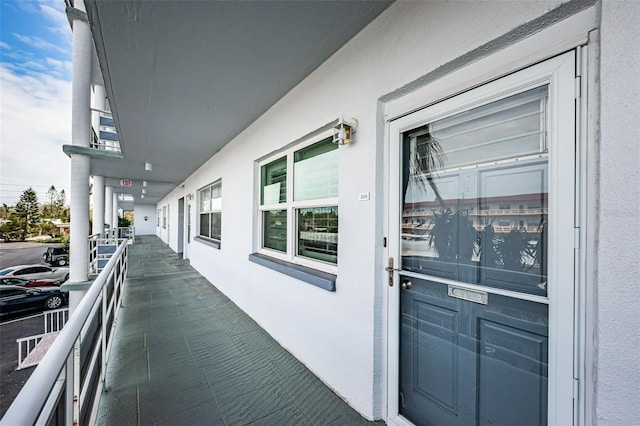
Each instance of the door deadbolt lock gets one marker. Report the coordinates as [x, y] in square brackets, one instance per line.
[406, 285]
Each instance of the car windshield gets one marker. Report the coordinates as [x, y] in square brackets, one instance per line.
[6, 271]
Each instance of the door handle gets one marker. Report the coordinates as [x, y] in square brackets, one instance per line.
[406, 285]
[390, 270]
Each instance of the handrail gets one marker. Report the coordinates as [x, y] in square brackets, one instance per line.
[28, 406]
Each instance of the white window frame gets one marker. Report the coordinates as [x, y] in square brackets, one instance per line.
[200, 211]
[164, 217]
[291, 208]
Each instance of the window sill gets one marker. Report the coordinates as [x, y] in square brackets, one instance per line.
[207, 241]
[324, 280]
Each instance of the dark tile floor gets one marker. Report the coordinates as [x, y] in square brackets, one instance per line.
[185, 354]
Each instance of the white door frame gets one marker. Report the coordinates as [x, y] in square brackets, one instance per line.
[561, 142]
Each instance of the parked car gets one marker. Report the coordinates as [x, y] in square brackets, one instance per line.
[56, 256]
[36, 272]
[22, 282]
[14, 299]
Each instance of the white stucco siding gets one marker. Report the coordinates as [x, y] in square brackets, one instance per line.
[618, 270]
[333, 333]
[142, 226]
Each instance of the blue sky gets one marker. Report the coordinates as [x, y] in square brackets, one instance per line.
[35, 97]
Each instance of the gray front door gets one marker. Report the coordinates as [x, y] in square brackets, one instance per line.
[465, 363]
[474, 316]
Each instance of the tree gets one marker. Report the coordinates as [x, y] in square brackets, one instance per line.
[123, 222]
[61, 200]
[27, 213]
[52, 194]
[48, 228]
[9, 231]
[5, 211]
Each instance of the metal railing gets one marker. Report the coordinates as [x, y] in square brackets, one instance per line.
[55, 320]
[102, 248]
[33, 348]
[66, 386]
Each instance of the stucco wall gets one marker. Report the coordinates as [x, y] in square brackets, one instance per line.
[144, 227]
[618, 270]
[333, 333]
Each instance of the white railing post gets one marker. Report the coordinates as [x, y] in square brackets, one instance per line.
[69, 389]
[77, 371]
[103, 360]
[19, 353]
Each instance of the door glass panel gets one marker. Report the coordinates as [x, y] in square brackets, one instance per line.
[475, 197]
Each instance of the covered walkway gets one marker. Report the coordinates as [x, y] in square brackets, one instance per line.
[184, 353]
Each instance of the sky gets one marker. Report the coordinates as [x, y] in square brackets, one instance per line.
[35, 98]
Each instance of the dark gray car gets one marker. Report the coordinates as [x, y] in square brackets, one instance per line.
[56, 256]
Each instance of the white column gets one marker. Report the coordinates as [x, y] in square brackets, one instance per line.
[114, 218]
[98, 205]
[80, 166]
[108, 205]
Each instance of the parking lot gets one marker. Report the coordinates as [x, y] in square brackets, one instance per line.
[12, 380]
[22, 253]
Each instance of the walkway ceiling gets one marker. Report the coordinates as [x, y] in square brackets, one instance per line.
[185, 77]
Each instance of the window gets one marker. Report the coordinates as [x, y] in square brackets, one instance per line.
[11, 292]
[504, 206]
[211, 211]
[299, 205]
[158, 217]
[504, 222]
[164, 217]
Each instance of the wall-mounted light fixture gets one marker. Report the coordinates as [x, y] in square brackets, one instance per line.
[344, 130]
[144, 183]
[189, 197]
[144, 191]
[148, 166]
[142, 196]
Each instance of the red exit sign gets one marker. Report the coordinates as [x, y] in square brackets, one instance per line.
[126, 182]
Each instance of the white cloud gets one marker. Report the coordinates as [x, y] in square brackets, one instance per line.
[4, 45]
[59, 20]
[60, 68]
[39, 43]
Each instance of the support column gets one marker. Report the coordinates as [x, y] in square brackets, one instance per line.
[98, 205]
[80, 165]
[114, 218]
[108, 206]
